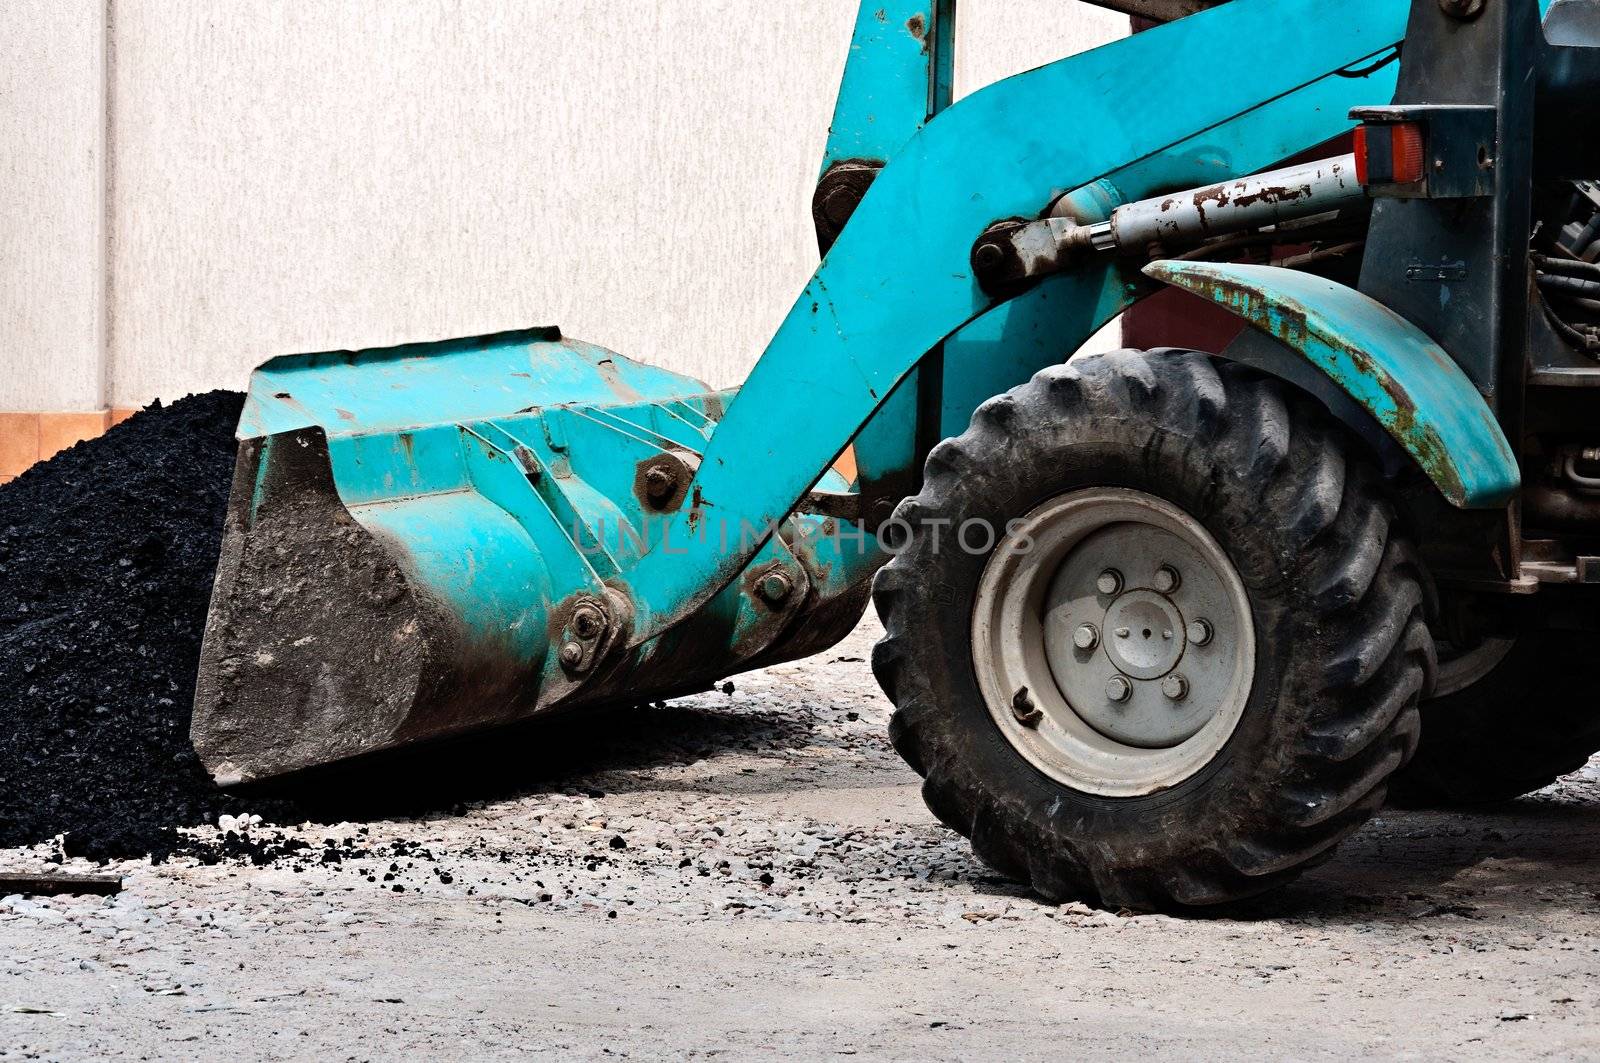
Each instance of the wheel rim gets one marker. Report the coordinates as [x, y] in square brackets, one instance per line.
[1113, 642]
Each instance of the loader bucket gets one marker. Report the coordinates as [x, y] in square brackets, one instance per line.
[401, 519]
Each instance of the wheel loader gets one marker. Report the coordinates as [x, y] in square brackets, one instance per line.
[1163, 626]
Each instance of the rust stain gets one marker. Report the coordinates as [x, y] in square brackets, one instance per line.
[917, 26]
[1292, 326]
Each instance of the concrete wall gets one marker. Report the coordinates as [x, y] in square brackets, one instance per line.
[52, 246]
[291, 175]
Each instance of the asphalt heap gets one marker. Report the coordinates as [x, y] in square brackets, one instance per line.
[107, 554]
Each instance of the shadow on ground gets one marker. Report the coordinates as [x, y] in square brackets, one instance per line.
[1409, 865]
[555, 754]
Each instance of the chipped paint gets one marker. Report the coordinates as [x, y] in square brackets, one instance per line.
[1405, 380]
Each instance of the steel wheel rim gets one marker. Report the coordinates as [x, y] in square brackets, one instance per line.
[1028, 615]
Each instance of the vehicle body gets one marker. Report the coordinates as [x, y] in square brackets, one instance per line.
[1180, 652]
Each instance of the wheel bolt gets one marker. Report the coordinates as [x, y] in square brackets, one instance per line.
[1087, 637]
[1167, 579]
[1200, 632]
[1110, 582]
[1175, 687]
[1118, 688]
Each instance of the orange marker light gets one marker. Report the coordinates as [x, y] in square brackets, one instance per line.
[1389, 154]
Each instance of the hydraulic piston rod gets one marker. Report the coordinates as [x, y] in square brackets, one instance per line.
[1015, 252]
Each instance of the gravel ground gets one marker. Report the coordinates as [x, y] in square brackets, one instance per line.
[753, 873]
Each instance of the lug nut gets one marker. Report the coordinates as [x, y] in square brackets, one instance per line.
[1118, 688]
[1109, 583]
[1175, 687]
[1167, 579]
[1087, 637]
[571, 655]
[774, 587]
[1200, 632]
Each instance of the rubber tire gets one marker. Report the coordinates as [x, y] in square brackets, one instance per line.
[1531, 720]
[1339, 603]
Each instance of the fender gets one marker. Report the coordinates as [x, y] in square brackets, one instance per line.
[1387, 365]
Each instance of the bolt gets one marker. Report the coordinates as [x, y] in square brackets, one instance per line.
[588, 621]
[989, 256]
[1087, 637]
[1023, 708]
[1462, 9]
[571, 655]
[1167, 579]
[1199, 632]
[1109, 583]
[659, 483]
[774, 587]
[1175, 687]
[1118, 688]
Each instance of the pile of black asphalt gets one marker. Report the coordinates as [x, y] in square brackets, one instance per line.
[107, 554]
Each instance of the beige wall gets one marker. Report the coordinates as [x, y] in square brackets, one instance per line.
[52, 250]
[295, 175]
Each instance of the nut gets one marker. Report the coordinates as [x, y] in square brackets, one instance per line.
[1167, 579]
[1087, 637]
[659, 484]
[1118, 688]
[571, 655]
[1200, 632]
[1109, 583]
[1175, 687]
[774, 587]
[588, 621]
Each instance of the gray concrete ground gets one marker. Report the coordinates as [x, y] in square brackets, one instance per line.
[754, 874]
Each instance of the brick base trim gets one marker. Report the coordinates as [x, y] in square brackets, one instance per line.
[26, 438]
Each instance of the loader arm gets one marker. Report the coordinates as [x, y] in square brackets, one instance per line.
[898, 281]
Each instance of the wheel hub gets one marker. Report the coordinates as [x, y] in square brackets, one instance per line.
[1132, 632]
[1147, 634]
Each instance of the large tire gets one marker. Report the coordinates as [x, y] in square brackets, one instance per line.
[1529, 721]
[1339, 605]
